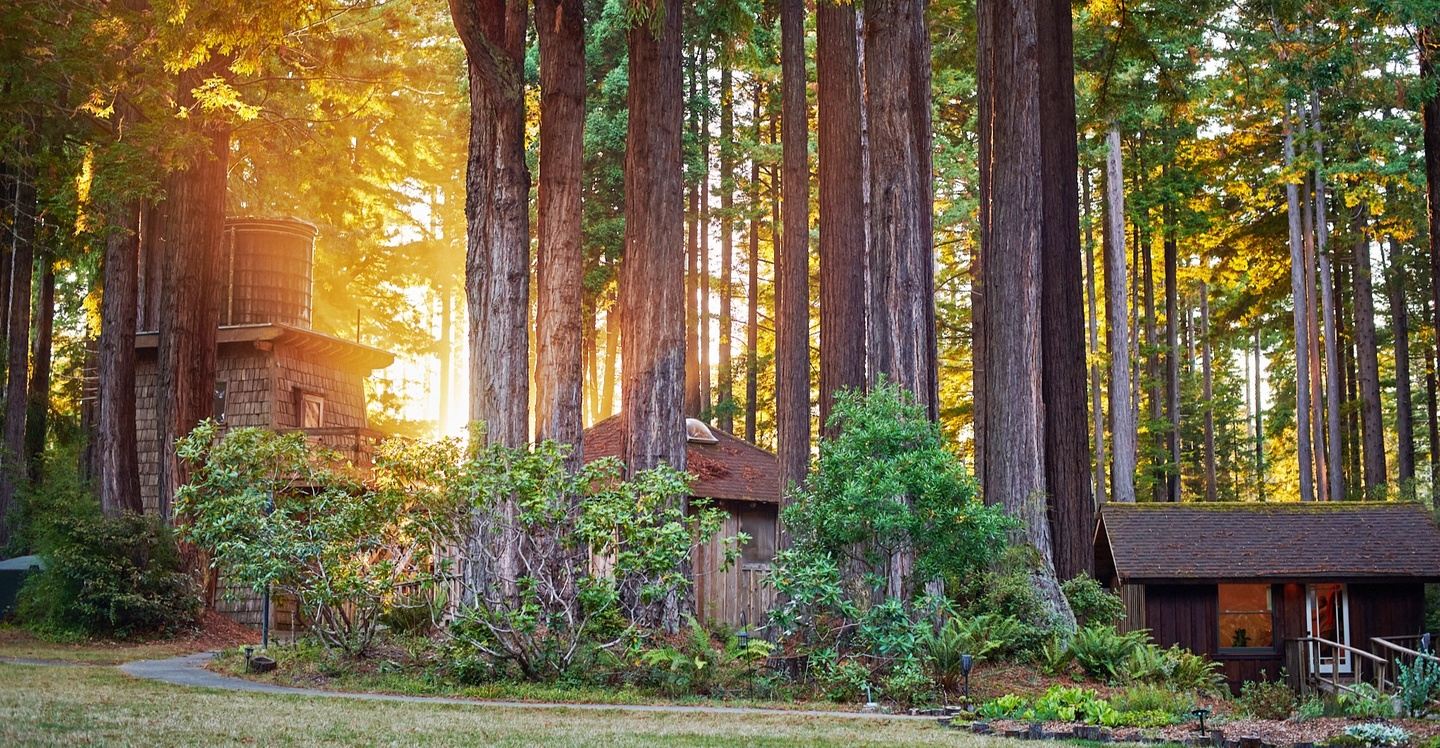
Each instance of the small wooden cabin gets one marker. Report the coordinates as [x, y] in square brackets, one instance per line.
[1246, 583]
[743, 480]
[272, 370]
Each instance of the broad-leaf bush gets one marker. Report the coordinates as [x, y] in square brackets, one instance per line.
[1092, 603]
[884, 488]
[109, 577]
[1419, 684]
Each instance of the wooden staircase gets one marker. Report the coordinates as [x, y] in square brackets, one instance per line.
[1309, 658]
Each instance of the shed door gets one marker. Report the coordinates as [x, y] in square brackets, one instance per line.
[1327, 614]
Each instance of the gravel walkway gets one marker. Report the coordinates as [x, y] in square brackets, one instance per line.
[190, 670]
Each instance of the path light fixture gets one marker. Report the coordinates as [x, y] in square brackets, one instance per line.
[1200, 713]
[966, 663]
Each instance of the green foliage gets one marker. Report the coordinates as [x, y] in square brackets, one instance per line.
[1419, 684]
[1364, 701]
[1007, 590]
[840, 680]
[1379, 734]
[1310, 709]
[1069, 704]
[1265, 699]
[1104, 653]
[907, 683]
[1151, 698]
[1092, 603]
[273, 510]
[887, 483]
[105, 577]
[1054, 656]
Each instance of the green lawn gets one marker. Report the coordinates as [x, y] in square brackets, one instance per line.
[20, 644]
[65, 705]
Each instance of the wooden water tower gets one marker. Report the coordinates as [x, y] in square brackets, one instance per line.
[267, 274]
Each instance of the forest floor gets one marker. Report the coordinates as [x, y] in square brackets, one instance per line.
[77, 704]
[218, 632]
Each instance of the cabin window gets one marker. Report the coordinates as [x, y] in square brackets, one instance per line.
[310, 410]
[1247, 620]
[218, 407]
[759, 524]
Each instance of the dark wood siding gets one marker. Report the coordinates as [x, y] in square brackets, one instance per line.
[1182, 614]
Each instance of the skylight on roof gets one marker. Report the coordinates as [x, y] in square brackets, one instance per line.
[698, 433]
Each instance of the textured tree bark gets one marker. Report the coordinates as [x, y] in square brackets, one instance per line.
[1207, 374]
[1259, 420]
[725, 397]
[1097, 402]
[37, 408]
[612, 360]
[652, 279]
[116, 462]
[497, 189]
[752, 280]
[1172, 358]
[1012, 243]
[901, 252]
[1117, 332]
[1303, 432]
[1318, 423]
[792, 261]
[1062, 337]
[559, 266]
[1430, 128]
[1367, 362]
[1335, 480]
[692, 253]
[985, 53]
[703, 302]
[1152, 376]
[842, 217]
[1404, 405]
[1432, 416]
[17, 343]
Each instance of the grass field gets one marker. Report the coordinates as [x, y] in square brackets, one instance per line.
[70, 705]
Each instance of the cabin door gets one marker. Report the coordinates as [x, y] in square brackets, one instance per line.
[1327, 615]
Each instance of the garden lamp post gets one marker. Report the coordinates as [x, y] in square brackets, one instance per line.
[1200, 713]
[744, 637]
[966, 663]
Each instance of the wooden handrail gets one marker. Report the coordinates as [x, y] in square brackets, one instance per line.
[1348, 648]
[1385, 643]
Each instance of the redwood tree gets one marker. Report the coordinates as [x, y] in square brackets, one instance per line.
[559, 266]
[652, 278]
[116, 462]
[497, 189]
[792, 261]
[842, 217]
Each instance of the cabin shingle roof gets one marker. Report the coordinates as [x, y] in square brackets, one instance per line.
[731, 469]
[1267, 541]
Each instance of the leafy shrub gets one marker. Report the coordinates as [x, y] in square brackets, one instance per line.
[1055, 656]
[1188, 671]
[1105, 653]
[840, 680]
[112, 577]
[1311, 708]
[1379, 734]
[1364, 701]
[888, 481]
[1092, 603]
[1419, 684]
[1009, 706]
[1150, 698]
[1062, 704]
[1007, 590]
[1145, 718]
[907, 683]
[1265, 699]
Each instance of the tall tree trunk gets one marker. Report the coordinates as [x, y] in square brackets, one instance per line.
[901, 250]
[652, 279]
[497, 189]
[37, 410]
[1432, 416]
[752, 283]
[1259, 420]
[1209, 393]
[1062, 336]
[1152, 367]
[1303, 432]
[1322, 237]
[1117, 332]
[842, 217]
[1428, 39]
[1172, 357]
[1097, 402]
[792, 256]
[692, 251]
[1404, 406]
[560, 265]
[1012, 240]
[116, 461]
[612, 359]
[725, 398]
[22, 269]
[497, 267]
[1373, 448]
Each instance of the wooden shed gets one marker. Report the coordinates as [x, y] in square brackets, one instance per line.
[743, 480]
[272, 370]
[1319, 590]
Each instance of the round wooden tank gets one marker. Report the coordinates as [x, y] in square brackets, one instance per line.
[267, 273]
